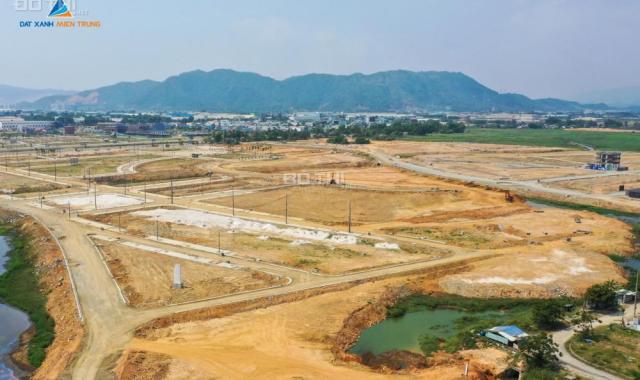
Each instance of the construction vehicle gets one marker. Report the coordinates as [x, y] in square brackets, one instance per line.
[508, 196]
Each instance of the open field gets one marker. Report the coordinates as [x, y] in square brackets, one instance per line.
[89, 166]
[306, 248]
[600, 185]
[293, 160]
[217, 184]
[91, 201]
[146, 277]
[542, 137]
[13, 184]
[163, 170]
[330, 204]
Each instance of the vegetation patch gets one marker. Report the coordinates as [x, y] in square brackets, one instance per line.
[612, 348]
[540, 137]
[20, 287]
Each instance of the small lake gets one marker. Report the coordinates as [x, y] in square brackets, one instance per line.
[403, 333]
[13, 322]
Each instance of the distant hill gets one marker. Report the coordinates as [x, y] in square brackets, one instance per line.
[232, 91]
[10, 95]
[625, 97]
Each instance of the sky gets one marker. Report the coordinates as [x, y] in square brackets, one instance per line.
[540, 48]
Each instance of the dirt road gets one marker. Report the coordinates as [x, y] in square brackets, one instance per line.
[110, 322]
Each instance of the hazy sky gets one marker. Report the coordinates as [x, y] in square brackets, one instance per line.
[537, 47]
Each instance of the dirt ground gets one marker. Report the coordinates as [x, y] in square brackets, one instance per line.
[292, 160]
[328, 256]
[601, 185]
[60, 305]
[146, 277]
[15, 184]
[218, 183]
[293, 340]
[330, 204]
[499, 161]
[89, 166]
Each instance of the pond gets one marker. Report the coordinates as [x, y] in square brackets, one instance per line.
[403, 333]
[13, 322]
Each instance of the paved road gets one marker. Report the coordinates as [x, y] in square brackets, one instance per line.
[577, 366]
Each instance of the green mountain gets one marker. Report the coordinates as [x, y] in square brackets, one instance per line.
[232, 91]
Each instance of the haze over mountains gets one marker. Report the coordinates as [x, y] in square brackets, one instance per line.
[231, 91]
[13, 95]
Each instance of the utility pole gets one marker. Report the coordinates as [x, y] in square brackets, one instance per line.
[286, 209]
[635, 300]
[349, 216]
[95, 195]
[69, 205]
[172, 191]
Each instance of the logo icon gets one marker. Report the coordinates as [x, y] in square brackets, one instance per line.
[60, 10]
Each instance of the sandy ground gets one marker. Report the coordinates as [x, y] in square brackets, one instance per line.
[88, 201]
[146, 277]
[601, 185]
[499, 161]
[307, 248]
[330, 204]
[288, 341]
[14, 184]
[549, 272]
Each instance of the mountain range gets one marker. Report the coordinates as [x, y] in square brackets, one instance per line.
[225, 90]
[12, 95]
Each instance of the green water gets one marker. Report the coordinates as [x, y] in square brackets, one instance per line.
[403, 333]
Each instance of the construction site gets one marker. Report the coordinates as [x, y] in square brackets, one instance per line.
[207, 255]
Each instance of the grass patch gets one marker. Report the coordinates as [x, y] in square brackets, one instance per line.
[20, 287]
[541, 137]
[614, 349]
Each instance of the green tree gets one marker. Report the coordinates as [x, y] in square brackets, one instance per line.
[548, 315]
[338, 139]
[429, 344]
[602, 296]
[362, 140]
[538, 351]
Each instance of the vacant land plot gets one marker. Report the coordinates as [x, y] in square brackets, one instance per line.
[216, 184]
[330, 204]
[146, 277]
[164, 170]
[89, 201]
[298, 340]
[13, 184]
[542, 137]
[612, 348]
[600, 185]
[293, 160]
[88, 166]
[310, 249]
